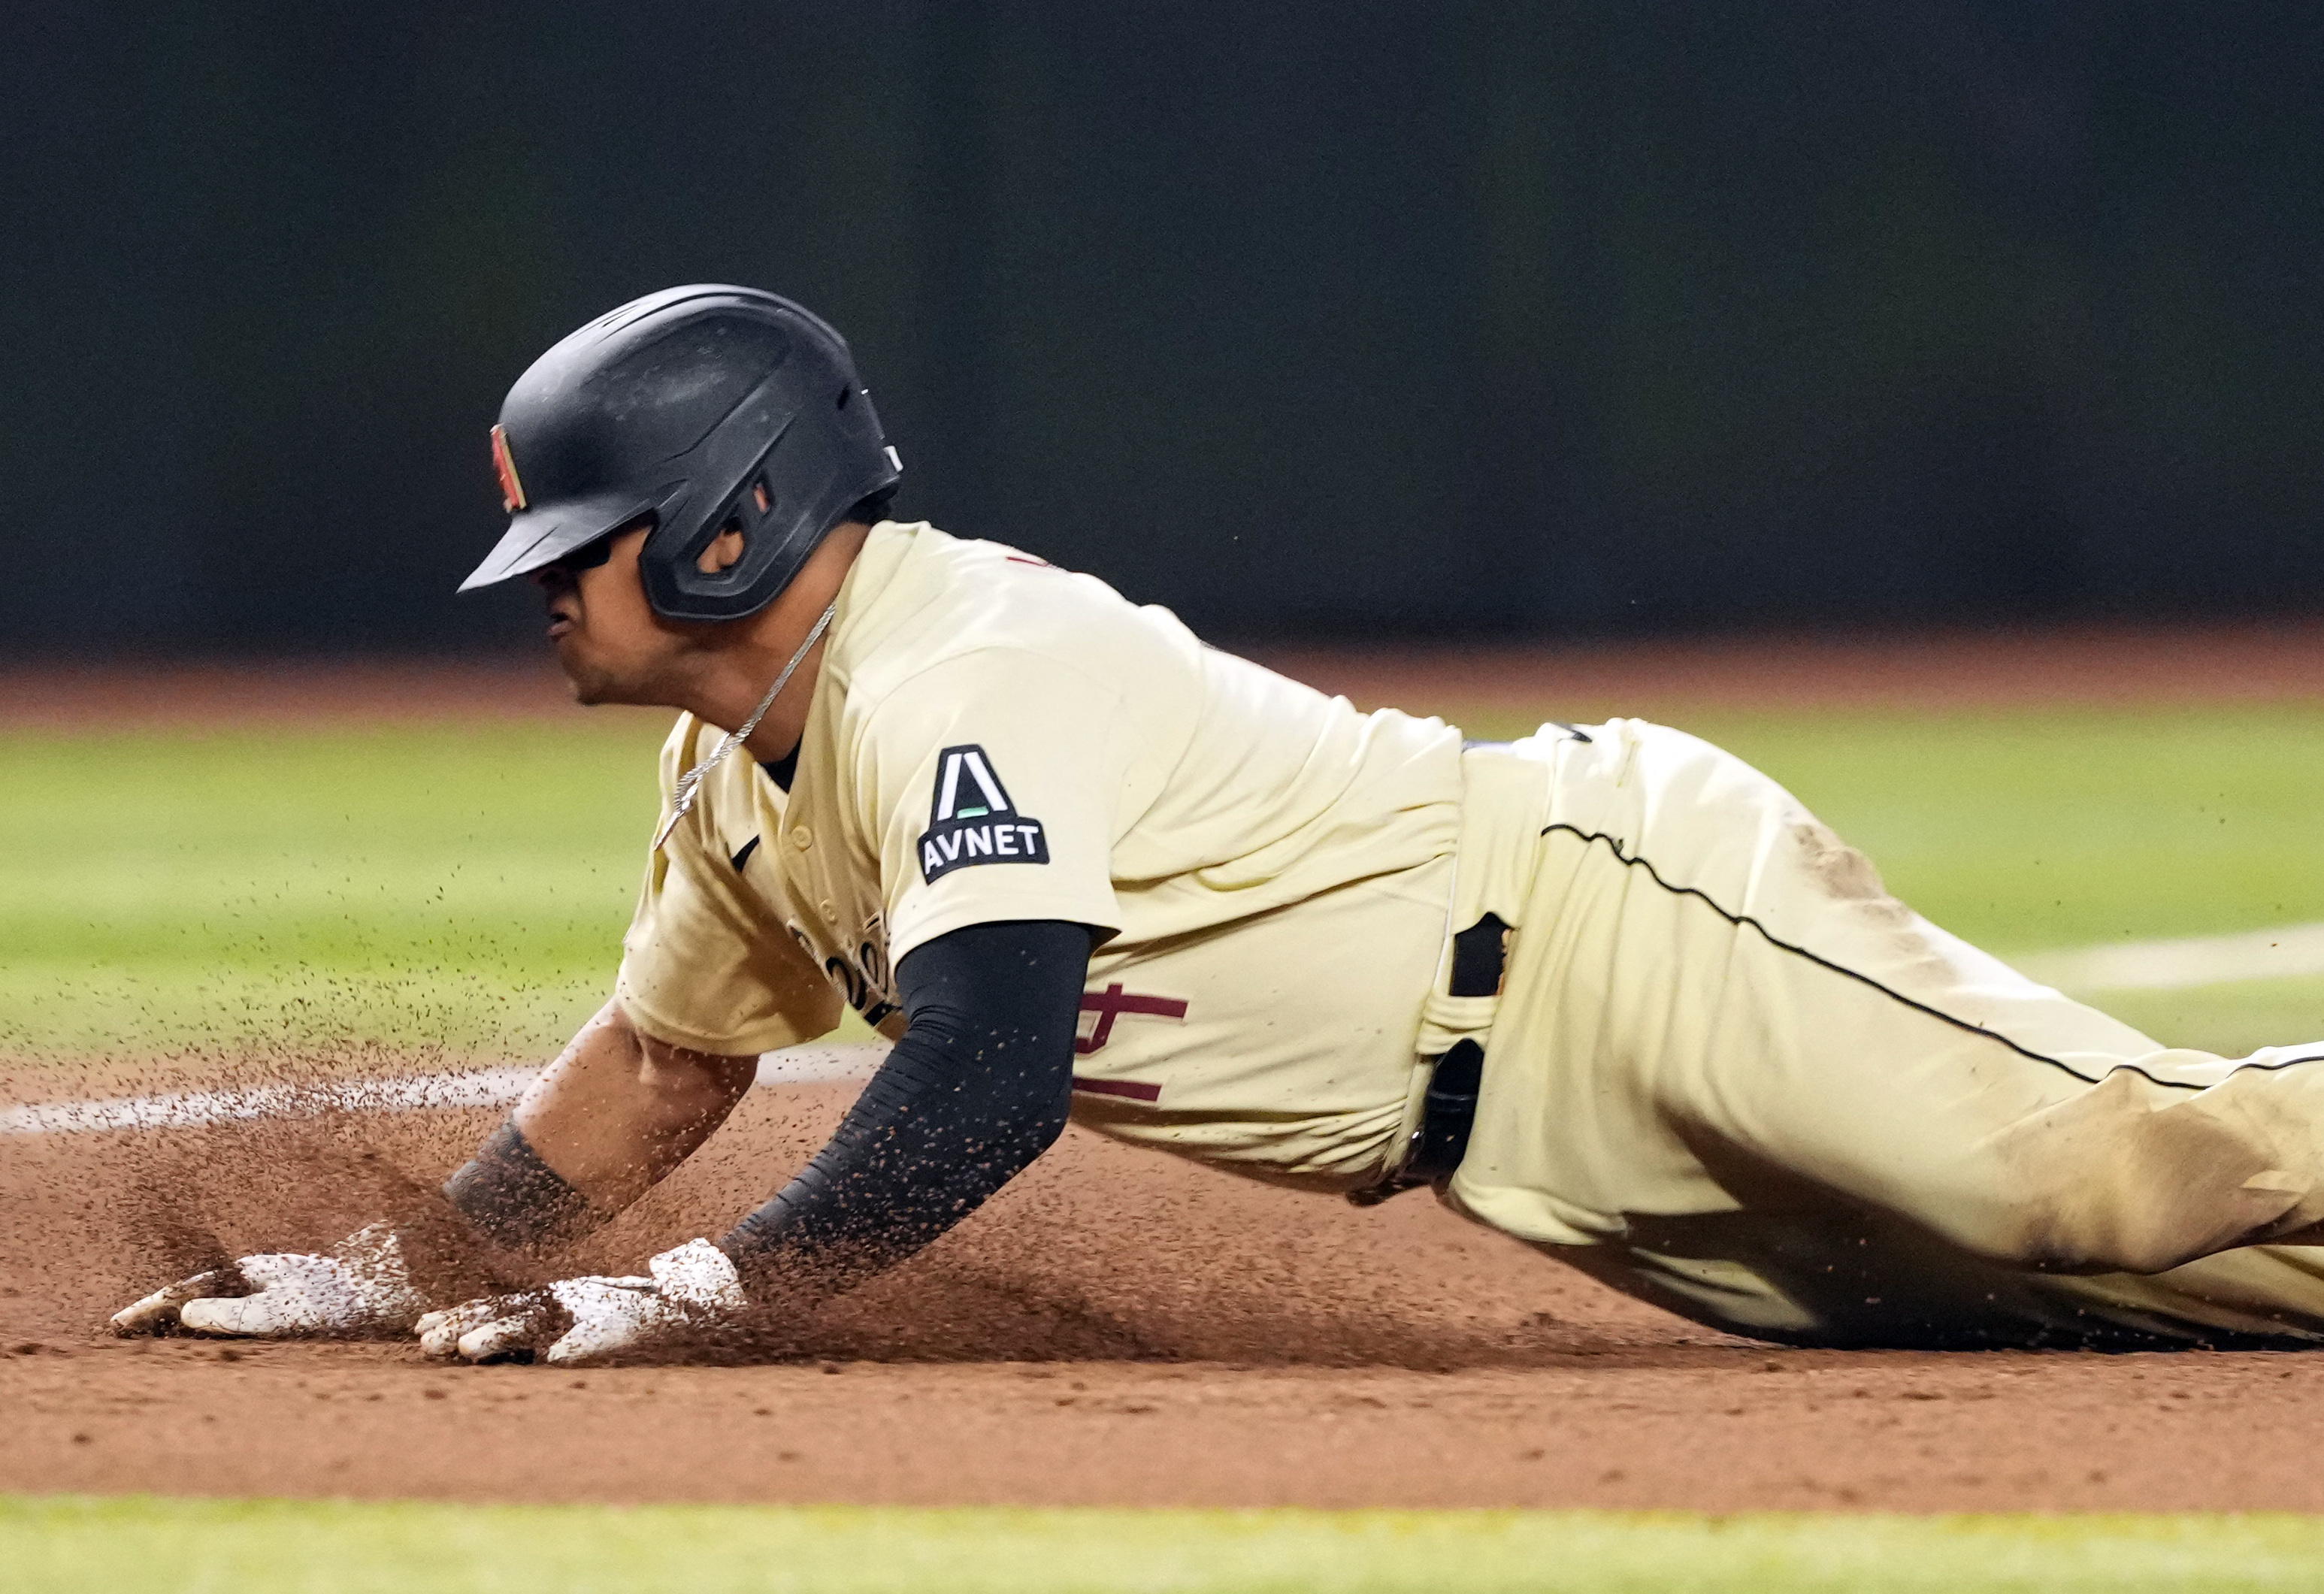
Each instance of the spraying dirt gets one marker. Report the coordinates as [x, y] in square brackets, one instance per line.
[1115, 1327]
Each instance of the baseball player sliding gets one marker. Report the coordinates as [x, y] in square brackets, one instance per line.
[1607, 989]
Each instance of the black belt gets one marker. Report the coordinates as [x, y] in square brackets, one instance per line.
[1447, 1114]
[1479, 955]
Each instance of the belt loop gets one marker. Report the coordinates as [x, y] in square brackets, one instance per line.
[1503, 794]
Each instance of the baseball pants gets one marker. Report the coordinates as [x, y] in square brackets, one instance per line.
[1730, 1075]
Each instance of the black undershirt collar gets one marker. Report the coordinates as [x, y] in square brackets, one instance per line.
[785, 768]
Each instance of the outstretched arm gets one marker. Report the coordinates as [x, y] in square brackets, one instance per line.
[978, 1087]
[605, 1123]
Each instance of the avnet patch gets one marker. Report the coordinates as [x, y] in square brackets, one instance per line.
[972, 820]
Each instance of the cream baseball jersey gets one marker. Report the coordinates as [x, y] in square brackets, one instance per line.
[993, 739]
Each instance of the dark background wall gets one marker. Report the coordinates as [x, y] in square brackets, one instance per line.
[1302, 319]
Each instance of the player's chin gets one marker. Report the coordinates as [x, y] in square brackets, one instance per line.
[591, 682]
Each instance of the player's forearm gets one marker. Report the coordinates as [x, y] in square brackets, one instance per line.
[601, 1126]
[978, 1088]
[927, 1143]
[619, 1110]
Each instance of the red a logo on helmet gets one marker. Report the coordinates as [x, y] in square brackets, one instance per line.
[504, 467]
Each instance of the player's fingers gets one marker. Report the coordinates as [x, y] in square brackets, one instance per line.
[502, 1338]
[269, 1311]
[439, 1332]
[158, 1312]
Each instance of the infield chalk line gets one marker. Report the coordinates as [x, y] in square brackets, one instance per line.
[2282, 954]
[481, 1087]
[2178, 965]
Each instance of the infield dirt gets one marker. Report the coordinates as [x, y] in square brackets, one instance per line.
[1115, 1328]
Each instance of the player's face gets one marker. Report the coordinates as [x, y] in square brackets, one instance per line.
[609, 642]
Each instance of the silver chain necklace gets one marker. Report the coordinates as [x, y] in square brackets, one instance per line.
[690, 783]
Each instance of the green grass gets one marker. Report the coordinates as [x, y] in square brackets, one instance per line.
[463, 885]
[466, 885]
[2061, 828]
[198, 1546]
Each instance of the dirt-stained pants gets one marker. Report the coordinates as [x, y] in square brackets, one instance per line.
[1730, 1074]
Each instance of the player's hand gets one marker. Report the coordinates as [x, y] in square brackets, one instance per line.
[692, 1292]
[359, 1287]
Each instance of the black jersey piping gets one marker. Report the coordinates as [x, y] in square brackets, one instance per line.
[1746, 921]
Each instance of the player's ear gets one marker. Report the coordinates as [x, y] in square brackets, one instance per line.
[723, 549]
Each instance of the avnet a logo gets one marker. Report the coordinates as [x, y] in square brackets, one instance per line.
[971, 819]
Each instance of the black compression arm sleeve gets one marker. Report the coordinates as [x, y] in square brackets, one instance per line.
[979, 1086]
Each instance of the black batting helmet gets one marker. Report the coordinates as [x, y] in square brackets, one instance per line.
[704, 408]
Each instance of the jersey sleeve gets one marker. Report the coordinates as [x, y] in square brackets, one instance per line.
[708, 963]
[992, 786]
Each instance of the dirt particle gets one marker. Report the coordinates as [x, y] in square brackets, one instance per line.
[829, 1367]
[761, 1411]
[82, 1439]
[433, 1394]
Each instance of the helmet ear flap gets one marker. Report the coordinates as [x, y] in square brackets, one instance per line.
[749, 513]
[752, 506]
